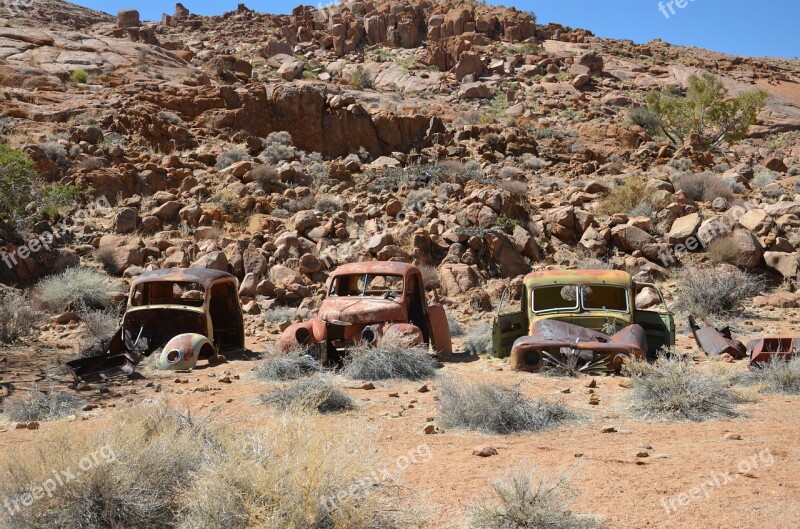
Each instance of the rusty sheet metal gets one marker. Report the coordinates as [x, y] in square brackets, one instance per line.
[375, 267]
[202, 276]
[361, 311]
[717, 341]
[578, 277]
[766, 349]
[183, 352]
[559, 338]
[103, 367]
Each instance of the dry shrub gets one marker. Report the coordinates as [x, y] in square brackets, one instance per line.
[725, 250]
[456, 330]
[38, 406]
[514, 187]
[496, 409]
[17, 317]
[706, 292]
[624, 197]
[232, 156]
[160, 467]
[78, 288]
[521, 501]
[430, 276]
[673, 389]
[329, 204]
[703, 187]
[391, 359]
[479, 340]
[265, 174]
[280, 315]
[778, 376]
[290, 367]
[309, 394]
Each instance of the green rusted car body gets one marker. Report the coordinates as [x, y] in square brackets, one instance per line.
[591, 311]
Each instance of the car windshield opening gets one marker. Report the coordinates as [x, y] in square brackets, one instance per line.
[557, 297]
[591, 297]
[185, 293]
[386, 286]
[602, 297]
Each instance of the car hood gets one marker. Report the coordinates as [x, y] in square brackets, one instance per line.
[361, 311]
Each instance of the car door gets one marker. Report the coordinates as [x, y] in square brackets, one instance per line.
[508, 327]
[658, 324]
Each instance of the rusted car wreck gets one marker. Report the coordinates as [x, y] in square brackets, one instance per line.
[590, 314]
[366, 303]
[184, 315]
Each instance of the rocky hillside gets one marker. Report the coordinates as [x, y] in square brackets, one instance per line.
[459, 136]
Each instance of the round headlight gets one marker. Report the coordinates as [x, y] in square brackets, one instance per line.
[302, 335]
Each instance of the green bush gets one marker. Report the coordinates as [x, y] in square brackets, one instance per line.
[79, 76]
[706, 110]
[17, 178]
[53, 199]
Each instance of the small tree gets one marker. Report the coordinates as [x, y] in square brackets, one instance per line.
[17, 178]
[706, 110]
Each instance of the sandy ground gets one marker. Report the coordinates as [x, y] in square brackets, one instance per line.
[757, 477]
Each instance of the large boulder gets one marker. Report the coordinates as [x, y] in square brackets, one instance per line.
[458, 279]
[469, 63]
[127, 18]
[749, 248]
[505, 255]
[787, 264]
[683, 228]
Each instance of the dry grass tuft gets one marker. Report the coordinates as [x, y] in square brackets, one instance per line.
[524, 502]
[479, 340]
[155, 466]
[309, 394]
[705, 292]
[37, 406]
[289, 367]
[778, 376]
[496, 409]
[17, 317]
[624, 197]
[77, 288]
[674, 389]
[392, 359]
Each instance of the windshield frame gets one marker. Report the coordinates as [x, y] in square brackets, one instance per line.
[579, 301]
[367, 278]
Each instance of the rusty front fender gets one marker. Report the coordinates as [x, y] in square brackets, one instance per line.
[555, 337]
[302, 334]
[407, 332]
[183, 352]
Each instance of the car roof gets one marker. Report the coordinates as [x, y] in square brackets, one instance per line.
[578, 277]
[376, 267]
[203, 276]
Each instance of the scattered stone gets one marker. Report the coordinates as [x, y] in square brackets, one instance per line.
[486, 451]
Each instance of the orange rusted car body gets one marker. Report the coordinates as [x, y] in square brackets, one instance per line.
[357, 311]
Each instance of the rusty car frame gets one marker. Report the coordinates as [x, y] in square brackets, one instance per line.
[590, 314]
[183, 314]
[366, 303]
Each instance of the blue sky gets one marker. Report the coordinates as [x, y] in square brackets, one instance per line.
[738, 27]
